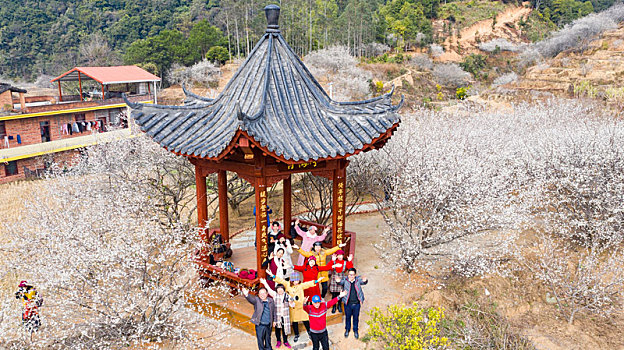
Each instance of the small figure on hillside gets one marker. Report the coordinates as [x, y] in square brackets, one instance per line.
[341, 267]
[309, 238]
[321, 260]
[311, 273]
[32, 301]
[263, 316]
[295, 289]
[353, 299]
[283, 303]
[318, 320]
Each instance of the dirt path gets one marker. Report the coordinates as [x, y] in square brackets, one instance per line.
[382, 289]
[483, 29]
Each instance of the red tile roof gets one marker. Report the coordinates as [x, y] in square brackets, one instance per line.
[109, 75]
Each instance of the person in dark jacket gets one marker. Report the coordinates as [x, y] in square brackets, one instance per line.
[353, 300]
[263, 316]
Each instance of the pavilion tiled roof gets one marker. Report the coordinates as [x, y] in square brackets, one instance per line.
[277, 102]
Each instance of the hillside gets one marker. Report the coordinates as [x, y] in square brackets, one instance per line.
[599, 67]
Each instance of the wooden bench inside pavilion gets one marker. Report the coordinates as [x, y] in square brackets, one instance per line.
[273, 120]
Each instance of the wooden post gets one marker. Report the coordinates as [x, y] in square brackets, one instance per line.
[22, 102]
[60, 91]
[102, 91]
[287, 184]
[202, 202]
[261, 224]
[224, 226]
[338, 203]
[80, 85]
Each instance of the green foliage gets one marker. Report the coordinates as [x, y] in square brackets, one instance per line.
[218, 54]
[465, 14]
[461, 93]
[407, 328]
[163, 50]
[45, 36]
[406, 19]
[379, 85]
[585, 88]
[202, 37]
[562, 12]
[474, 63]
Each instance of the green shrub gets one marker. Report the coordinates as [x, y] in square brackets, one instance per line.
[461, 93]
[218, 54]
[474, 63]
[407, 328]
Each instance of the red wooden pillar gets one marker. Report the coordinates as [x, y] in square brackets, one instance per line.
[202, 202]
[338, 203]
[261, 224]
[80, 85]
[60, 91]
[224, 226]
[287, 184]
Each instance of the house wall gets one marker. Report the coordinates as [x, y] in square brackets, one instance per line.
[66, 158]
[6, 99]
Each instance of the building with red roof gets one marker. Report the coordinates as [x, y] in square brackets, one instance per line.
[37, 130]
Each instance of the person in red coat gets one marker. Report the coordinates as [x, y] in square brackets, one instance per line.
[311, 273]
[341, 267]
[318, 319]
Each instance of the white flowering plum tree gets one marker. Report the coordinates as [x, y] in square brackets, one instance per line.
[111, 262]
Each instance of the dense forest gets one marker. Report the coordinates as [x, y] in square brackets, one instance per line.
[47, 37]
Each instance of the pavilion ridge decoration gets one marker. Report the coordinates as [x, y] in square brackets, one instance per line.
[273, 119]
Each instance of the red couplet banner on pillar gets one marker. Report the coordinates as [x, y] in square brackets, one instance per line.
[261, 224]
[338, 205]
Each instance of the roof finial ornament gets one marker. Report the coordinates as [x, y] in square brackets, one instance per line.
[272, 13]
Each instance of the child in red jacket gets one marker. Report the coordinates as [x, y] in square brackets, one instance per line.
[318, 320]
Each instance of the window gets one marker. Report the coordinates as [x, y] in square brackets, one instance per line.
[45, 131]
[10, 168]
[79, 117]
[2, 130]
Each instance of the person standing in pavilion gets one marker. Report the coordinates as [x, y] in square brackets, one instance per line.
[296, 289]
[318, 320]
[341, 267]
[285, 244]
[277, 266]
[263, 316]
[352, 299]
[321, 260]
[310, 272]
[308, 239]
[273, 234]
[283, 303]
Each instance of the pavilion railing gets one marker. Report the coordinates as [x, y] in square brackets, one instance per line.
[215, 273]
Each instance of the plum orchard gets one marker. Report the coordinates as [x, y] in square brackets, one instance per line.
[463, 186]
[108, 252]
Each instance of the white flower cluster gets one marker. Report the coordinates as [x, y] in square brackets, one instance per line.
[463, 188]
[98, 245]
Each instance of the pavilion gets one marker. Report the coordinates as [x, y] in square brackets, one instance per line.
[272, 120]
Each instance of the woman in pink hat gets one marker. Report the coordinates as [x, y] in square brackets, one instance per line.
[309, 238]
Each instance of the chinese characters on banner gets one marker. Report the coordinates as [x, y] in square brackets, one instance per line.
[340, 211]
[262, 224]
